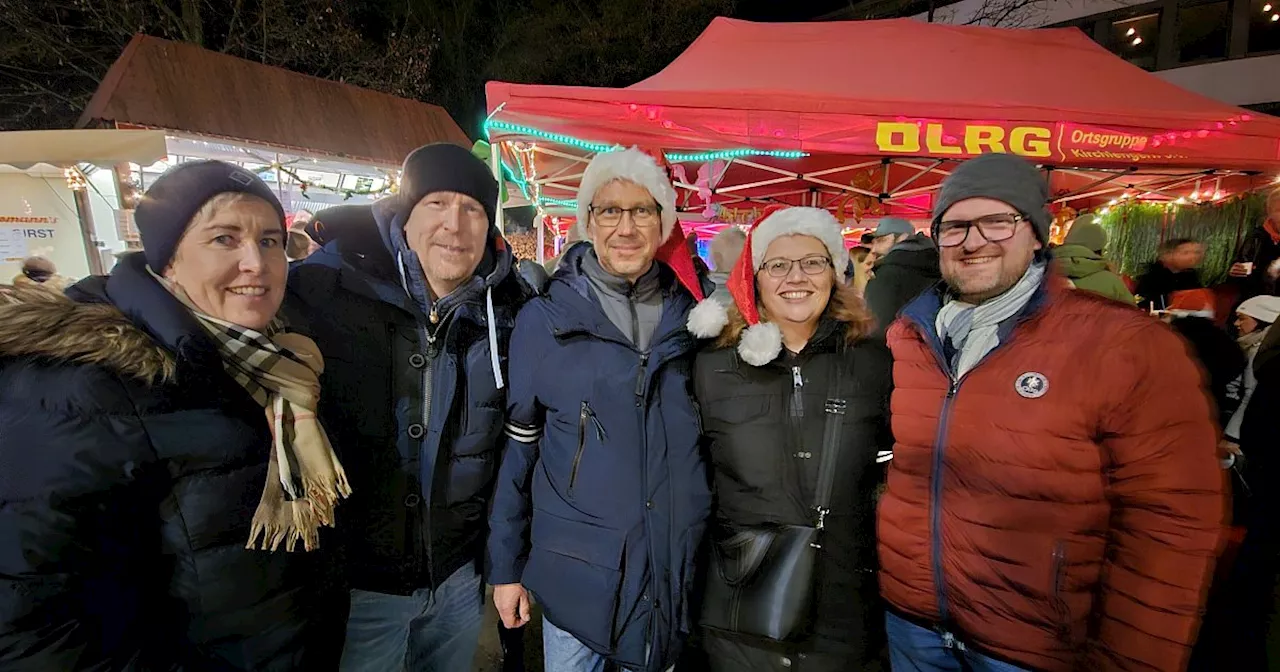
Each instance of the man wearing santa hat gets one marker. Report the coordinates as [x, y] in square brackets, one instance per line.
[602, 495]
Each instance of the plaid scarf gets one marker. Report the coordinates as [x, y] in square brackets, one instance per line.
[281, 371]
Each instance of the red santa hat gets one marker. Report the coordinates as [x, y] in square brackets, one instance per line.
[761, 342]
[649, 169]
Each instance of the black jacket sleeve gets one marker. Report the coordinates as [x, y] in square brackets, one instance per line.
[77, 525]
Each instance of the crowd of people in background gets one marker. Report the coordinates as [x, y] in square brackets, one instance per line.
[269, 445]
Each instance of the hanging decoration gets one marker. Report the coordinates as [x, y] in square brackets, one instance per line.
[526, 160]
[1135, 229]
[75, 179]
[857, 206]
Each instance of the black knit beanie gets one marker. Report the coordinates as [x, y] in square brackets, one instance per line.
[166, 209]
[445, 167]
[1002, 177]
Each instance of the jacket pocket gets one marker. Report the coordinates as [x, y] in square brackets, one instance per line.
[575, 572]
[1058, 587]
[586, 420]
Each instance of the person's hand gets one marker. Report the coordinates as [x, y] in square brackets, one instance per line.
[1230, 447]
[512, 602]
[1239, 270]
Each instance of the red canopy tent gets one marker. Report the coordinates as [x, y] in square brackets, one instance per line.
[873, 112]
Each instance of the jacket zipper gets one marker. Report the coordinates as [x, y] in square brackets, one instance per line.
[797, 393]
[583, 417]
[935, 500]
[430, 351]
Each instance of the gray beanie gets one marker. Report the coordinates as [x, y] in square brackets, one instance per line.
[1002, 177]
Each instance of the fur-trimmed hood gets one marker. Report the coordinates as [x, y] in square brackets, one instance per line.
[36, 322]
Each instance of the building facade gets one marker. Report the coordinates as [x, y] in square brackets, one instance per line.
[1228, 50]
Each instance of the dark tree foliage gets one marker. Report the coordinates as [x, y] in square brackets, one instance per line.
[53, 53]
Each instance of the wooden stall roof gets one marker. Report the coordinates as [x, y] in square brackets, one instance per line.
[181, 87]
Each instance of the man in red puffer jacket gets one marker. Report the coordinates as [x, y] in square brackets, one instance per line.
[1055, 501]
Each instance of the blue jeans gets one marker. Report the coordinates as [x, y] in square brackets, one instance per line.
[916, 649]
[423, 632]
[562, 652]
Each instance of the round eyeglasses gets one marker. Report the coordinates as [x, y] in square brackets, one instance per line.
[779, 267]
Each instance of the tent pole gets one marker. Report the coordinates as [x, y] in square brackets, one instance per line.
[542, 255]
[85, 213]
[495, 164]
[913, 178]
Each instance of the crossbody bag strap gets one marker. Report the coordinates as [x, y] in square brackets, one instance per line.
[835, 410]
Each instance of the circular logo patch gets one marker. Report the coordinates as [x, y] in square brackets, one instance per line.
[1032, 385]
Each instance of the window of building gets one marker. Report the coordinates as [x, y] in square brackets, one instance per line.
[1202, 31]
[1135, 39]
[1264, 26]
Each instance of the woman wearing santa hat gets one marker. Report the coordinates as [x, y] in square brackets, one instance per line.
[794, 399]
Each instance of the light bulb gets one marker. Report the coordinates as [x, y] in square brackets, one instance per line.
[1134, 30]
[1137, 41]
[1195, 195]
[1266, 7]
[1113, 202]
[1275, 17]
[1180, 201]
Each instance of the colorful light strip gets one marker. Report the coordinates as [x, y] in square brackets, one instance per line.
[587, 145]
[553, 137]
[703, 157]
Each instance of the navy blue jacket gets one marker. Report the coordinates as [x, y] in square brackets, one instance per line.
[126, 497]
[602, 498]
[420, 485]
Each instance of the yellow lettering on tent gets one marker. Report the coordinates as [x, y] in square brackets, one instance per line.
[977, 137]
[934, 141]
[1030, 141]
[897, 137]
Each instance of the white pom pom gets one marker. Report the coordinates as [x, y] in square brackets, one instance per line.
[707, 319]
[760, 343]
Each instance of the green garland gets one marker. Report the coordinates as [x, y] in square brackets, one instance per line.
[1135, 230]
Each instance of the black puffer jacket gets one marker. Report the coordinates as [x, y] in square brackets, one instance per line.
[765, 436]
[909, 268]
[412, 407]
[130, 468]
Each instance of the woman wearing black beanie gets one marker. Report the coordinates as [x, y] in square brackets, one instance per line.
[162, 474]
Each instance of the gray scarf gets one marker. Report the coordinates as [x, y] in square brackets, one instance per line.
[975, 330]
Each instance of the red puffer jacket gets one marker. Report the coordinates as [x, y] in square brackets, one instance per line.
[1061, 506]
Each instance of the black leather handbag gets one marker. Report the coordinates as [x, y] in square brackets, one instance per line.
[760, 582]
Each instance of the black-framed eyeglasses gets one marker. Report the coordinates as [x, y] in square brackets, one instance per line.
[611, 215]
[993, 228]
[780, 267]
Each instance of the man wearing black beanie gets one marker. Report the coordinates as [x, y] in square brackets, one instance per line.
[415, 339]
[1054, 500]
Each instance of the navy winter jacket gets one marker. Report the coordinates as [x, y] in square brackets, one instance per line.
[602, 497]
[411, 405]
[126, 497]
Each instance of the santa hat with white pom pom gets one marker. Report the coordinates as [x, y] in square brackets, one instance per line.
[761, 342]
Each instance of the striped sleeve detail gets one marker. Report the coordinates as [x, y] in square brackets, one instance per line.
[883, 456]
[523, 433]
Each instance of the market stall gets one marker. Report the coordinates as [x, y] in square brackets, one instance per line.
[59, 198]
[866, 118]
